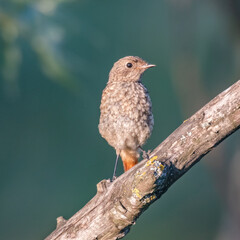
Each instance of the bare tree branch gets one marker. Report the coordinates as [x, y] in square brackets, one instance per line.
[117, 205]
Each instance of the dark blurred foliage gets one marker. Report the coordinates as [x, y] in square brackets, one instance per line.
[55, 56]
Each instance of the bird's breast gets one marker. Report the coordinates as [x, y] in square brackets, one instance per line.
[126, 113]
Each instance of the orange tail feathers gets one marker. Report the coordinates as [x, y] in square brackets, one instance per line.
[129, 158]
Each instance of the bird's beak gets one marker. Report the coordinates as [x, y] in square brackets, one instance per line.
[148, 66]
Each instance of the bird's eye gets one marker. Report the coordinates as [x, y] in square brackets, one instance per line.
[129, 65]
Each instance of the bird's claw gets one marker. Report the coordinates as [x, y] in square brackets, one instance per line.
[113, 178]
[146, 154]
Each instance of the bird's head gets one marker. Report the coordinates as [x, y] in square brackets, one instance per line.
[128, 69]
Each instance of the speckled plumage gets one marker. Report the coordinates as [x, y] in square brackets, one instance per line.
[126, 119]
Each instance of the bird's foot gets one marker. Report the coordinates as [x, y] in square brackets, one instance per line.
[144, 153]
[113, 178]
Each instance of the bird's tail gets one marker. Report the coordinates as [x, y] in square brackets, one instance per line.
[129, 158]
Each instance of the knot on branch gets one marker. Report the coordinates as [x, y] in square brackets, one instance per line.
[103, 185]
[61, 221]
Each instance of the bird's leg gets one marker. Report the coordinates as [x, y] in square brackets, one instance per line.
[144, 153]
[115, 168]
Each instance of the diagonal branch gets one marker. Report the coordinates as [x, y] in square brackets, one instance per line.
[116, 206]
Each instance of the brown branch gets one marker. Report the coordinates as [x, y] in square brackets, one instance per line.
[116, 206]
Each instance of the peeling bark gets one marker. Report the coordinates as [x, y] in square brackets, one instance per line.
[117, 205]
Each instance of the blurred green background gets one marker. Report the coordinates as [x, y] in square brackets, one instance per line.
[55, 57]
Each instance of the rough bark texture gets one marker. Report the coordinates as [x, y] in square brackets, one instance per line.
[117, 205]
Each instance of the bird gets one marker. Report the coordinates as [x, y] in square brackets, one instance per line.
[126, 118]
